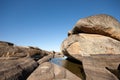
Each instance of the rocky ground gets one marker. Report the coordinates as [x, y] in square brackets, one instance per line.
[30, 63]
[94, 42]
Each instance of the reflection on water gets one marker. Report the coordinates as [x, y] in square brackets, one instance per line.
[58, 61]
[75, 68]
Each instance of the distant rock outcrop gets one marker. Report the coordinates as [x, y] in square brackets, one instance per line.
[9, 50]
[95, 41]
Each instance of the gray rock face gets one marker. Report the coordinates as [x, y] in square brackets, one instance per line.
[99, 24]
[105, 69]
[48, 71]
[16, 69]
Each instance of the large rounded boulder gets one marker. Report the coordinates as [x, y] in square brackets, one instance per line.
[98, 24]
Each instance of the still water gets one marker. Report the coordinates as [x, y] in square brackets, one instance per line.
[74, 67]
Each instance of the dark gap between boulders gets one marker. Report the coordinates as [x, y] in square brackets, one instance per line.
[72, 65]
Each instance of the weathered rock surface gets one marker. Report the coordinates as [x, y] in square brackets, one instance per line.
[45, 58]
[58, 54]
[102, 67]
[87, 44]
[17, 62]
[16, 69]
[95, 41]
[99, 24]
[49, 71]
[10, 50]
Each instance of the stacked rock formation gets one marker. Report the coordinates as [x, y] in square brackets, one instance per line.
[95, 41]
[19, 63]
[16, 62]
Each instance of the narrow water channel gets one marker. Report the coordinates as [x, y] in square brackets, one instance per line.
[75, 67]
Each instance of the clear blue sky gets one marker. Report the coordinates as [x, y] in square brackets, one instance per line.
[45, 23]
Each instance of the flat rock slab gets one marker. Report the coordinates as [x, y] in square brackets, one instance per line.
[101, 67]
[16, 69]
[45, 58]
[49, 71]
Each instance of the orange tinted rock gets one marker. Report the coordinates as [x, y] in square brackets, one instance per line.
[87, 44]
